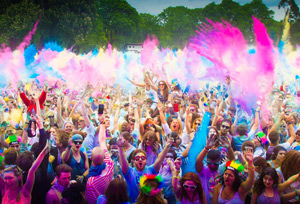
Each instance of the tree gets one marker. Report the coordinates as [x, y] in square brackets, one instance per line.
[16, 21]
[149, 25]
[290, 6]
[120, 21]
[178, 24]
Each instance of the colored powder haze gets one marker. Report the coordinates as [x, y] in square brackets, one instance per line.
[218, 49]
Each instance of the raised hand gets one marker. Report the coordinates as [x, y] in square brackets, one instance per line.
[178, 163]
[121, 141]
[170, 142]
[249, 157]
[224, 142]
[159, 107]
[211, 141]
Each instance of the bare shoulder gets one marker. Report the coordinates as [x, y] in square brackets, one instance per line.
[218, 188]
[52, 197]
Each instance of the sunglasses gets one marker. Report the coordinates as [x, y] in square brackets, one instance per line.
[225, 127]
[248, 149]
[192, 187]
[283, 126]
[137, 158]
[161, 84]
[213, 164]
[197, 124]
[77, 142]
[169, 157]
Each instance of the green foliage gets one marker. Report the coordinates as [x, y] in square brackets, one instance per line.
[89, 24]
[120, 21]
[16, 21]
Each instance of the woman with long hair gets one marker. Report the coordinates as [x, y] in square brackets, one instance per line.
[188, 189]
[277, 156]
[116, 192]
[290, 166]
[162, 90]
[260, 164]
[267, 188]
[231, 189]
[150, 190]
[150, 145]
[11, 185]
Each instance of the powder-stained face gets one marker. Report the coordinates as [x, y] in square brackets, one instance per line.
[140, 161]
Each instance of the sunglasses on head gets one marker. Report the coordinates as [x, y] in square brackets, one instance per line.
[192, 187]
[137, 158]
[225, 127]
[77, 142]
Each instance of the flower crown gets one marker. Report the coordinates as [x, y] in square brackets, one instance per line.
[261, 137]
[148, 190]
[234, 166]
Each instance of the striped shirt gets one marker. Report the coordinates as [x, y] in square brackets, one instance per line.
[97, 185]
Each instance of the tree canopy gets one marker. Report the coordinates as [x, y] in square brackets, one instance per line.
[89, 24]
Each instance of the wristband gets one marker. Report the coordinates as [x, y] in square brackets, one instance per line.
[206, 148]
[251, 168]
[178, 177]
[297, 195]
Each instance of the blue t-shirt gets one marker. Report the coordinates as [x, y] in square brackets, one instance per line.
[133, 180]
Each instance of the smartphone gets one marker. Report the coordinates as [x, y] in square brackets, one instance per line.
[100, 109]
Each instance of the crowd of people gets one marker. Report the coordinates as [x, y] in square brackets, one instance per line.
[156, 144]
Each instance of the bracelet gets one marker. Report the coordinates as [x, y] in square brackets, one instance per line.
[297, 195]
[206, 148]
[178, 177]
[251, 168]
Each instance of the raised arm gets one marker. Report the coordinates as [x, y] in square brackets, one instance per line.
[102, 135]
[116, 118]
[60, 120]
[27, 188]
[67, 153]
[123, 160]
[137, 84]
[247, 185]
[161, 157]
[256, 120]
[175, 175]
[199, 161]
[291, 130]
[218, 109]
[150, 82]
[187, 121]
[285, 185]
[161, 113]
[84, 114]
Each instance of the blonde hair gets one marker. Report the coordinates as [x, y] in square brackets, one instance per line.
[180, 130]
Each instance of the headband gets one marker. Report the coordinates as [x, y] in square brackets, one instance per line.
[77, 137]
[261, 137]
[148, 190]
[234, 166]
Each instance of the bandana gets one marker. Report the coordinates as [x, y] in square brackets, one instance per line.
[96, 170]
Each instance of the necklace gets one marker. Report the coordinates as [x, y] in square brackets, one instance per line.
[227, 197]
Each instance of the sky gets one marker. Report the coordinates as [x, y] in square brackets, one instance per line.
[157, 6]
